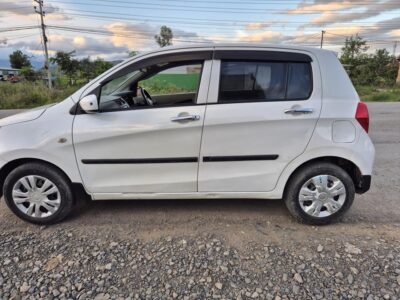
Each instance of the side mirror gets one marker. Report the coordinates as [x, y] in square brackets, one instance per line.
[89, 104]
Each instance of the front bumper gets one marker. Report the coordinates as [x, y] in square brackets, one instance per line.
[363, 184]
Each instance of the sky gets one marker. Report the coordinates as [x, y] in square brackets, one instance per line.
[110, 29]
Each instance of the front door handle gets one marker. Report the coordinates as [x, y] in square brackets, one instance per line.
[185, 118]
[299, 110]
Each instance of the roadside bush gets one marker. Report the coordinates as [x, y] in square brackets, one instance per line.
[376, 94]
[29, 94]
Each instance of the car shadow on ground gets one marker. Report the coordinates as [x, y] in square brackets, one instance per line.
[200, 210]
[122, 211]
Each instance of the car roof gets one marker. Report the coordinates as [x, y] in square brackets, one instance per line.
[238, 46]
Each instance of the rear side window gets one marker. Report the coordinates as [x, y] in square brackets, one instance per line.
[299, 81]
[249, 81]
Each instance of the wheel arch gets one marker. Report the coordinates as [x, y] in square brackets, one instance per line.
[77, 188]
[350, 167]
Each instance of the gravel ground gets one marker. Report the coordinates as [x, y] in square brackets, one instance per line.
[214, 249]
[68, 264]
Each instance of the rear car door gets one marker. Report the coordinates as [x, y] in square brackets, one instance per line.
[141, 148]
[262, 109]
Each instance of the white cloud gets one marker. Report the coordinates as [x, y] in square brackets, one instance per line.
[83, 46]
[22, 11]
[331, 12]
[79, 41]
[258, 26]
[395, 33]
[260, 37]
[132, 36]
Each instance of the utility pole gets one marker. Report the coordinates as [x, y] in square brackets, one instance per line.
[394, 48]
[46, 53]
[322, 38]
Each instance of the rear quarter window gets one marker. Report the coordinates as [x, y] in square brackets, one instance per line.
[299, 81]
[250, 81]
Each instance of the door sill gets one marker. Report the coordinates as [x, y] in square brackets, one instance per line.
[194, 195]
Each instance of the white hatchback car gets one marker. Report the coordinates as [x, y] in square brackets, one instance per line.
[219, 121]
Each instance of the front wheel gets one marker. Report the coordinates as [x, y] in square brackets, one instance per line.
[319, 193]
[38, 193]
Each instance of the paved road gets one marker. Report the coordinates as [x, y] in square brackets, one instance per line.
[381, 205]
[8, 112]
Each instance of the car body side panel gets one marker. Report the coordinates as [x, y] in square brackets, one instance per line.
[361, 153]
[339, 104]
[143, 134]
[47, 138]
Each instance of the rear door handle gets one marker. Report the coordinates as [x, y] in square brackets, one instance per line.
[299, 110]
[185, 118]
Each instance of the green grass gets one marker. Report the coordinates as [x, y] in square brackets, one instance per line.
[375, 94]
[171, 83]
[29, 95]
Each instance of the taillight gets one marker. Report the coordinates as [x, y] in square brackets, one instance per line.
[362, 115]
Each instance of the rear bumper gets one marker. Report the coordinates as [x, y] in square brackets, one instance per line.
[363, 184]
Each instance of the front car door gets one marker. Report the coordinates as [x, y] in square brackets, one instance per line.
[130, 146]
[262, 109]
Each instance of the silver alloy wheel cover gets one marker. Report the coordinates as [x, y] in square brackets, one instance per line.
[31, 196]
[322, 196]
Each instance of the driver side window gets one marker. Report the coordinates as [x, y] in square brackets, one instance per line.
[162, 85]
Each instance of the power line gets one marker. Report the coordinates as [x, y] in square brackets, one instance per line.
[79, 29]
[206, 22]
[8, 29]
[239, 2]
[12, 8]
[16, 37]
[172, 7]
[264, 3]
[142, 34]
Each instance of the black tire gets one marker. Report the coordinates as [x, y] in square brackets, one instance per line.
[55, 176]
[302, 176]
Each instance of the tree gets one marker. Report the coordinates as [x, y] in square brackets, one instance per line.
[100, 66]
[354, 47]
[354, 57]
[18, 60]
[86, 69]
[89, 69]
[132, 53]
[165, 37]
[29, 74]
[378, 69]
[68, 65]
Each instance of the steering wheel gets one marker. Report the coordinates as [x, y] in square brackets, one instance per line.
[146, 96]
[122, 102]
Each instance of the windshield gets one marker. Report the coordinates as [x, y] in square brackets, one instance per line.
[119, 84]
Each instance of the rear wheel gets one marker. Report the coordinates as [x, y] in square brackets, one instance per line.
[319, 193]
[38, 193]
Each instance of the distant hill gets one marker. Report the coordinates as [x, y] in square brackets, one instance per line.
[5, 63]
[38, 64]
[116, 62]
